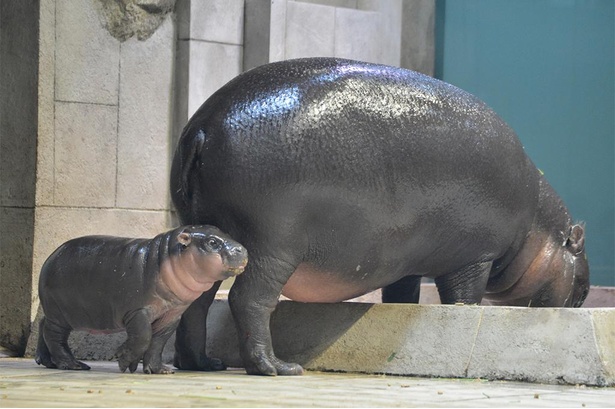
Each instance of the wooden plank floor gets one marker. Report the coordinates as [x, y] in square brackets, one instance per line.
[24, 384]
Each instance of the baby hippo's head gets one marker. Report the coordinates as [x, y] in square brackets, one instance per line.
[215, 255]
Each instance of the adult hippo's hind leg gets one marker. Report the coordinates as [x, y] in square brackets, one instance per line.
[465, 286]
[191, 336]
[405, 290]
[252, 299]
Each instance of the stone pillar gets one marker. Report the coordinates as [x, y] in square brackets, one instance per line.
[86, 136]
[19, 62]
[209, 52]
[418, 36]
[367, 30]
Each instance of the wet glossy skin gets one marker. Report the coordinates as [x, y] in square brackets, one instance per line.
[343, 177]
[107, 284]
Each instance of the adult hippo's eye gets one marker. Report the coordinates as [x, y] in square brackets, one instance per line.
[213, 244]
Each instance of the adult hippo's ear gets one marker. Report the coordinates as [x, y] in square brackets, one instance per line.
[576, 241]
[184, 238]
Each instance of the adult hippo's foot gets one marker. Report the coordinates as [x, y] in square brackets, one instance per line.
[187, 362]
[262, 361]
[252, 300]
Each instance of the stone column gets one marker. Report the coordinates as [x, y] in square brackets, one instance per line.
[209, 51]
[86, 134]
[366, 30]
[19, 62]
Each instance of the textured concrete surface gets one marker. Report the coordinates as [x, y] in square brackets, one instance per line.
[417, 36]
[85, 155]
[209, 52]
[86, 56]
[18, 130]
[535, 345]
[310, 30]
[145, 121]
[365, 30]
[598, 297]
[24, 384]
[550, 345]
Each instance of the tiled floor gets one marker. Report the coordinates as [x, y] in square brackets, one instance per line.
[24, 384]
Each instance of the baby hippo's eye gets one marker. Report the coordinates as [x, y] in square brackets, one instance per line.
[213, 244]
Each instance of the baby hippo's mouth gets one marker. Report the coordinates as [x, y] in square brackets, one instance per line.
[235, 269]
[232, 272]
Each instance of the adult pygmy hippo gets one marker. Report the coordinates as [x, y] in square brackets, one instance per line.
[342, 177]
[106, 284]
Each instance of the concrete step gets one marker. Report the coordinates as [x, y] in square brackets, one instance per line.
[546, 345]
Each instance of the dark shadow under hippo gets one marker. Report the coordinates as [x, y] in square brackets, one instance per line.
[342, 177]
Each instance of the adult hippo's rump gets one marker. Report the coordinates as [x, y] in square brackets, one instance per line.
[342, 177]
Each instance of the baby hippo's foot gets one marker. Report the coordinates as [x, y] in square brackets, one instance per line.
[126, 363]
[127, 359]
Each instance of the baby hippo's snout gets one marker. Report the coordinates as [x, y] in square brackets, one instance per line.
[234, 257]
[220, 257]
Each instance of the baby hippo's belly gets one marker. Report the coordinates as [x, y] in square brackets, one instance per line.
[310, 284]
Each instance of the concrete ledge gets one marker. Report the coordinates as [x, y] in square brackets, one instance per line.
[546, 345]
[549, 345]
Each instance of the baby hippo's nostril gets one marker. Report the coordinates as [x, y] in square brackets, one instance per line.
[236, 250]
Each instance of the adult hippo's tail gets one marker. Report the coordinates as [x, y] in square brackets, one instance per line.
[185, 165]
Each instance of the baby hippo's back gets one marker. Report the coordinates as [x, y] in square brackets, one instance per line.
[91, 282]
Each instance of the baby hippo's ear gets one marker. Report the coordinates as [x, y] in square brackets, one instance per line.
[576, 241]
[184, 238]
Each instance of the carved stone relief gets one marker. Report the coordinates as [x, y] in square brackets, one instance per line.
[126, 18]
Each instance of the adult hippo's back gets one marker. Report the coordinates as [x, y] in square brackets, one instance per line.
[341, 177]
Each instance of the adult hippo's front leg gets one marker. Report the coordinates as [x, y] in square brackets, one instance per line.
[465, 286]
[252, 299]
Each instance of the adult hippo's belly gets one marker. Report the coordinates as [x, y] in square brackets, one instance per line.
[342, 177]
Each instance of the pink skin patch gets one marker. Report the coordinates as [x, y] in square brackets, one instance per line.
[309, 284]
[191, 273]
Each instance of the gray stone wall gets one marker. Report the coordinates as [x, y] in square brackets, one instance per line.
[18, 139]
[392, 32]
[104, 121]
[362, 30]
[91, 109]
[209, 51]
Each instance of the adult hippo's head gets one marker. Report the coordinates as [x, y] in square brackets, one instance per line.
[551, 268]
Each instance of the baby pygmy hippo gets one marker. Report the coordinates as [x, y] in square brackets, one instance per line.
[107, 284]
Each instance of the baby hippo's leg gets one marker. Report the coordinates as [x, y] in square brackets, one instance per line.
[139, 332]
[55, 337]
[152, 360]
